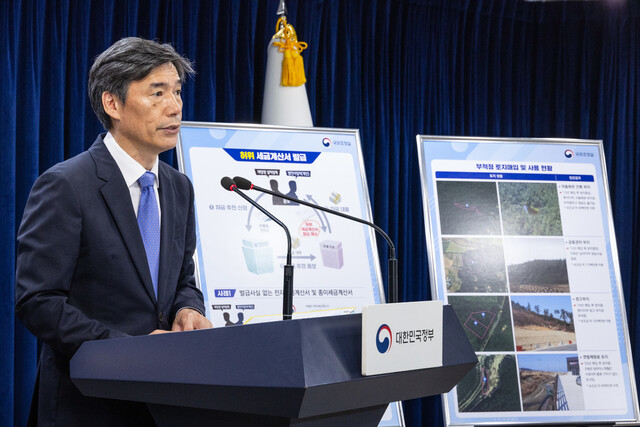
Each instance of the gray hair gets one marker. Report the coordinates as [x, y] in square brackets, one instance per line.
[126, 61]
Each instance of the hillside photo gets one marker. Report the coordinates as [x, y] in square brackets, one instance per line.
[550, 382]
[491, 386]
[536, 265]
[468, 208]
[530, 209]
[543, 323]
[474, 265]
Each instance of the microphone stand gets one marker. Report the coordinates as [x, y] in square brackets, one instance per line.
[287, 289]
[392, 271]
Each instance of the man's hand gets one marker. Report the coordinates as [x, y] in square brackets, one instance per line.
[188, 319]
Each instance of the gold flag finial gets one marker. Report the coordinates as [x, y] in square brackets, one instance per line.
[282, 8]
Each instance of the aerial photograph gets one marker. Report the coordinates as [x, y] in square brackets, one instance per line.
[468, 208]
[543, 323]
[491, 386]
[474, 265]
[536, 265]
[486, 321]
[530, 209]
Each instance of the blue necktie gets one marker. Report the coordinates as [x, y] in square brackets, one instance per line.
[149, 223]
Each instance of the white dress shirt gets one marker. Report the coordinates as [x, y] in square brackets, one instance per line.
[132, 171]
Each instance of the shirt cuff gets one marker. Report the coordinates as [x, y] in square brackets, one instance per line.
[192, 308]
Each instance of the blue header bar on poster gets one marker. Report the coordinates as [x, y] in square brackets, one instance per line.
[514, 176]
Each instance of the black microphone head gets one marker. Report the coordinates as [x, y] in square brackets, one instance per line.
[227, 183]
[242, 183]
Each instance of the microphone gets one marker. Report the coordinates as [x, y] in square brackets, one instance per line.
[392, 272]
[287, 290]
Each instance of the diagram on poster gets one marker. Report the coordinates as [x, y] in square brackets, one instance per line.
[521, 245]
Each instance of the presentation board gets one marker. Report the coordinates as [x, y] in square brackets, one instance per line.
[240, 252]
[521, 244]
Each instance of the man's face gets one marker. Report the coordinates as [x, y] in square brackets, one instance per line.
[149, 122]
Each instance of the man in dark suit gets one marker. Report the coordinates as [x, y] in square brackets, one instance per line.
[100, 254]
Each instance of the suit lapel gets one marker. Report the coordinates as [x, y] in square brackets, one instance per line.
[117, 198]
[167, 229]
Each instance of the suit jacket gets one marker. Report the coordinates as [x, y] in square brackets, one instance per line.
[82, 275]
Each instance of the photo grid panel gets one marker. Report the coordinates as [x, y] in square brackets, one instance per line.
[505, 264]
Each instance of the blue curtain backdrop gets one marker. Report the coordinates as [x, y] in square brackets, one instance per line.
[392, 69]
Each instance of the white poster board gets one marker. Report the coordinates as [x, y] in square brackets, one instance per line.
[240, 252]
[521, 244]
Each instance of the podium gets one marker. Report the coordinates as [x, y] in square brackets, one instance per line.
[303, 372]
